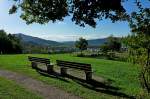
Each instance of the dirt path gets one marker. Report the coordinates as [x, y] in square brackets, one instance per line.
[47, 91]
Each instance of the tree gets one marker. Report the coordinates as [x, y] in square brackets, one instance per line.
[114, 43]
[104, 48]
[110, 46]
[139, 43]
[9, 44]
[82, 11]
[16, 44]
[81, 44]
[4, 42]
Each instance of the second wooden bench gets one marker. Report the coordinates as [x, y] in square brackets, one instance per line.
[81, 66]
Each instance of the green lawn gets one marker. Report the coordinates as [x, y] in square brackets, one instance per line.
[123, 75]
[10, 90]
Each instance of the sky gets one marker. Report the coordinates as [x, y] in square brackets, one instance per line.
[63, 30]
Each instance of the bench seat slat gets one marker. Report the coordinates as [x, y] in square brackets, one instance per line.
[73, 63]
[86, 67]
[74, 66]
[42, 59]
[39, 60]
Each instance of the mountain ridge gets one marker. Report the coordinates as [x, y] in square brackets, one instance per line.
[36, 40]
[42, 42]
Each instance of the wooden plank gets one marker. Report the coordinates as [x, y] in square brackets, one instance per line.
[40, 60]
[74, 66]
[35, 58]
[86, 69]
[81, 66]
[73, 62]
[85, 66]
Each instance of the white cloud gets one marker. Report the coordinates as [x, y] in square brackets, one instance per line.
[60, 22]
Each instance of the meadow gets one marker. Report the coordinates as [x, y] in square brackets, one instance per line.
[122, 75]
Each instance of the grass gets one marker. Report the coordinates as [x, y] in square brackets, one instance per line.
[123, 75]
[10, 90]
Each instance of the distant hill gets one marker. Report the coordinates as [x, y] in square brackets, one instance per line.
[97, 42]
[26, 39]
[36, 41]
[93, 42]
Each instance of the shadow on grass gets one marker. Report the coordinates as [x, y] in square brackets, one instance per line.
[92, 84]
[52, 75]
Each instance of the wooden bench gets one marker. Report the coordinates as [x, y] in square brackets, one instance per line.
[81, 66]
[35, 61]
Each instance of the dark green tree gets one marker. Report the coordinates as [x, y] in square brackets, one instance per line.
[16, 44]
[109, 48]
[82, 44]
[4, 42]
[114, 43]
[9, 44]
[139, 43]
[82, 11]
[104, 48]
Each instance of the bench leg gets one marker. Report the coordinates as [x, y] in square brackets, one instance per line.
[34, 65]
[50, 68]
[88, 76]
[63, 71]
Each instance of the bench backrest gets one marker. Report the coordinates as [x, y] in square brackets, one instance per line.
[81, 66]
[39, 60]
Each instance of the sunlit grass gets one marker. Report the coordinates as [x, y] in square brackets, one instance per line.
[123, 75]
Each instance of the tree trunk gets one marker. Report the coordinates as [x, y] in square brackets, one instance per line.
[146, 72]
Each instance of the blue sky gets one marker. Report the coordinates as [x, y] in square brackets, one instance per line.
[65, 30]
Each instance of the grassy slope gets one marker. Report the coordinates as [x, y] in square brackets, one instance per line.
[10, 90]
[123, 74]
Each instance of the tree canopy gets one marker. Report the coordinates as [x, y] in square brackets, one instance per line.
[112, 44]
[9, 44]
[82, 11]
[139, 43]
[82, 44]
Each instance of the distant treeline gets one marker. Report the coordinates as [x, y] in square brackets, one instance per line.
[9, 44]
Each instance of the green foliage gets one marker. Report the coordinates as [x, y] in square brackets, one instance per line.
[104, 48]
[82, 44]
[13, 9]
[82, 11]
[108, 49]
[114, 43]
[139, 43]
[9, 44]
